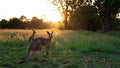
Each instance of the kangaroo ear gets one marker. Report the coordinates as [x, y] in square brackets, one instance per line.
[52, 32]
[48, 32]
[34, 31]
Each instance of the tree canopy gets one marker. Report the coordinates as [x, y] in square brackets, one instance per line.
[83, 12]
[107, 9]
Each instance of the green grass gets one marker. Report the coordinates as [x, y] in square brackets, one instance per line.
[69, 49]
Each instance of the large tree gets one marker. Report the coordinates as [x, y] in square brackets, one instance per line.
[65, 7]
[107, 9]
[84, 17]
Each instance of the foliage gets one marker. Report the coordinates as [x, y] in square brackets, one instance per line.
[78, 13]
[15, 23]
[24, 23]
[3, 24]
[115, 24]
[85, 17]
[35, 22]
[65, 7]
[107, 9]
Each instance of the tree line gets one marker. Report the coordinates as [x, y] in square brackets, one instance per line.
[89, 15]
[77, 14]
[24, 23]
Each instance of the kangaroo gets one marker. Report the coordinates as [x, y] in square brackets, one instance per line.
[37, 44]
[32, 36]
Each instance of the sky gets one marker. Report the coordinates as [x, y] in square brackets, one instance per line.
[28, 8]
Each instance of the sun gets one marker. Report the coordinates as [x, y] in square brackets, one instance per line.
[53, 16]
[39, 9]
[51, 13]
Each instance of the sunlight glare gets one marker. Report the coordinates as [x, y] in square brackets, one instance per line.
[53, 16]
[29, 8]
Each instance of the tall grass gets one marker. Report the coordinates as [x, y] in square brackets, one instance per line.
[69, 49]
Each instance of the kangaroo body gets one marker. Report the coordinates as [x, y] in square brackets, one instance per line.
[37, 44]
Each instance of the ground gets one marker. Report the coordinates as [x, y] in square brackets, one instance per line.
[69, 49]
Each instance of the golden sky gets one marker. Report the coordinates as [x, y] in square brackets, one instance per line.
[29, 8]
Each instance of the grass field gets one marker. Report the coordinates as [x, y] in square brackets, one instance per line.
[69, 49]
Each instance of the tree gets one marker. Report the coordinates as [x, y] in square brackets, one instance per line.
[67, 7]
[107, 9]
[36, 23]
[63, 7]
[23, 18]
[15, 23]
[24, 22]
[3, 24]
[85, 17]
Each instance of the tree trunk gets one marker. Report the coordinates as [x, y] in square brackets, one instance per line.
[106, 23]
[65, 22]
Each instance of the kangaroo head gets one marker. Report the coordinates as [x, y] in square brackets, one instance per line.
[50, 34]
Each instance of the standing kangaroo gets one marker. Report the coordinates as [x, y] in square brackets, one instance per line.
[36, 44]
[31, 38]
